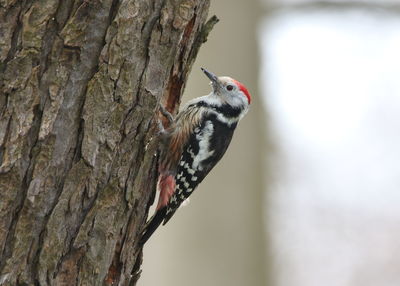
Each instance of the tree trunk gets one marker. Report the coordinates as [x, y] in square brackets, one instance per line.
[80, 86]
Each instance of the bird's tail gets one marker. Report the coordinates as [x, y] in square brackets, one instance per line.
[166, 185]
[153, 224]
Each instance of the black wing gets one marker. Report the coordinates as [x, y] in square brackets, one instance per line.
[204, 149]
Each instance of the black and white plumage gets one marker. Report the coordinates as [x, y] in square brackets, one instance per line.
[195, 142]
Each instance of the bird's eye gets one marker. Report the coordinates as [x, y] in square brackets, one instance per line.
[229, 87]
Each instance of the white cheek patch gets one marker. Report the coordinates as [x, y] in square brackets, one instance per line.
[203, 138]
[237, 100]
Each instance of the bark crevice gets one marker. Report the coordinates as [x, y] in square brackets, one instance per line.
[80, 85]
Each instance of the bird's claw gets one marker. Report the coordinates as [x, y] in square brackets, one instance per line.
[166, 114]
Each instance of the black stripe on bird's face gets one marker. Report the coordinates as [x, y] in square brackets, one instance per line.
[224, 109]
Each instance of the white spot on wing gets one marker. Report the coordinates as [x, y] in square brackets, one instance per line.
[184, 182]
[185, 202]
[191, 153]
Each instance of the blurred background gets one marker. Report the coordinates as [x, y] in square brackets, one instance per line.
[308, 192]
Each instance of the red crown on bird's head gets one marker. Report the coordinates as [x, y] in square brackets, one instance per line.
[244, 90]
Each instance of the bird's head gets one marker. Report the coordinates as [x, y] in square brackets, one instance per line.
[229, 90]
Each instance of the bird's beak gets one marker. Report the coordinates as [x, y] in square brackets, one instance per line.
[214, 79]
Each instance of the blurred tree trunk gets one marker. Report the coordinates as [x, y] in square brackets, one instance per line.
[80, 86]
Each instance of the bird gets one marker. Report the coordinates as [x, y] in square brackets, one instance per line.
[195, 141]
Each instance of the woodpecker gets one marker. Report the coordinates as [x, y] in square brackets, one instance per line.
[194, 143]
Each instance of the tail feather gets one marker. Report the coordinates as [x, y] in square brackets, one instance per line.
[168, 216]
[153, 224]
[166, 185]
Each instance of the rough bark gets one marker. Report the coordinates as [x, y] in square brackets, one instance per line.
[80, 86]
